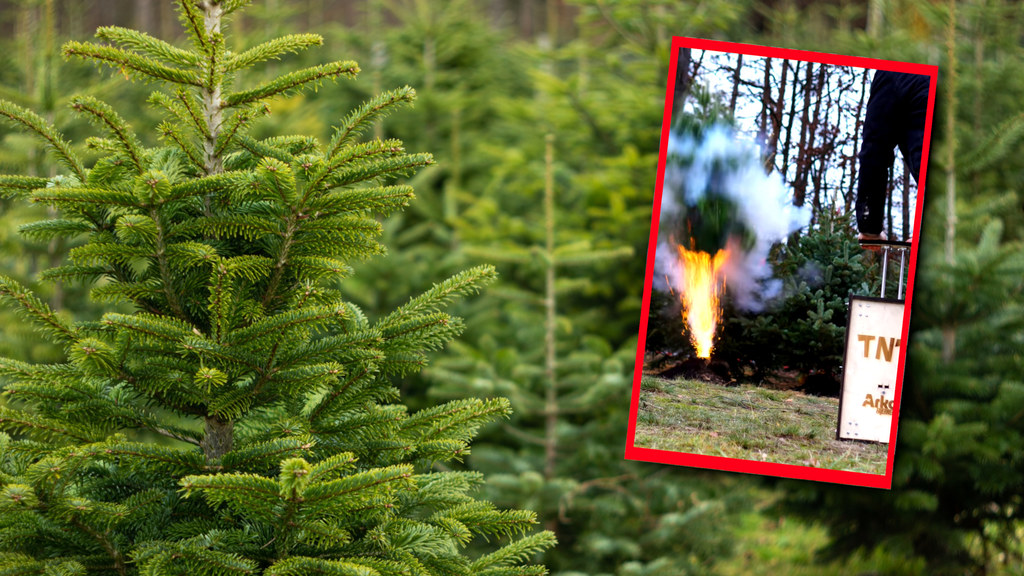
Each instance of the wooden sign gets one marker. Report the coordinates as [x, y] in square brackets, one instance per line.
[870, 369]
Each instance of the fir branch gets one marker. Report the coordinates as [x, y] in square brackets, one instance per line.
[374, 109]
[229, 6]
[307, 566]
[381, 200]
[320, 267]
[211, 185]
[272, 50]
[106, 253]
[106, 116]
[390, 148]
[259, 457]
[458, 419]
[180, 108]
[148, 45]
[20, 185]
[192, 20]
[36, 310]
[127, 62]
[72, 197]
[163, 458]
[329, 494]
[238, 121]
[514, 553]
[399, 166]
[156, 326]
[20, 421]
[260, 150]
[280, 324]
[46, 230]
[292, 81]
[463, 283]
[54, 140]
[324, 403]
[164, 266]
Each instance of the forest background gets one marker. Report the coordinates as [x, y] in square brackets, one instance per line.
[545, 118]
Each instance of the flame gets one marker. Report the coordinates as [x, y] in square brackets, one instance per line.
[701, 284]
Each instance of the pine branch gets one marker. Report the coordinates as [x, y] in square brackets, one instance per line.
[272, 50]
[128, 63]
[107, 117]
[53, 139]
[292, 81]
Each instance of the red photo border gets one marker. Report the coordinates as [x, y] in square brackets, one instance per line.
[752, 466]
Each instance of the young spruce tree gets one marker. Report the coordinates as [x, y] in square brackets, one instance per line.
[241, 419]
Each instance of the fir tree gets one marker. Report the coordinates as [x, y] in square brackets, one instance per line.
[241, 419]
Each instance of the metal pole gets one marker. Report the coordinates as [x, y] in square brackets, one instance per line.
[903, 256]
[885, 267]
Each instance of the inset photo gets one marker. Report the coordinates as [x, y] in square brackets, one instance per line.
[780, 269]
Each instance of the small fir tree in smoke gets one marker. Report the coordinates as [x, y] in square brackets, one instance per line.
[241, 419]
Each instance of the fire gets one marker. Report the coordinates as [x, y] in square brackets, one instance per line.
[702, 283]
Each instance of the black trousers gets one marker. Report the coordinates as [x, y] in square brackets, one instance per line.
[896, 113]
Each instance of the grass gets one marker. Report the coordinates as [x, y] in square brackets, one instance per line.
[749, 423]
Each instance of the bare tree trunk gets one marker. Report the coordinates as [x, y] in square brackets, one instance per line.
[735, 85]
[789, 123]
[776, 120]
[766, 98]
[683, 78]
[857, 127]
[800, 178]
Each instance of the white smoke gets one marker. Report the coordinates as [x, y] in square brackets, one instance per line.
[717, 163]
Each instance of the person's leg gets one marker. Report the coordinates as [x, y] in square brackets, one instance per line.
[876, 153]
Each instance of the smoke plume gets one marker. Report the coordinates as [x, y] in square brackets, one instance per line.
[716, 192]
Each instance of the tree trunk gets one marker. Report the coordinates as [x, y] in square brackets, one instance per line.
[683, 78]
[776, 120]
[789, 123]
[145, 16]
[949, 330]
[857, 127]
[735, 85]
[800, 178]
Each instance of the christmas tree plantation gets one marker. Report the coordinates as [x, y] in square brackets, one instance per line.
[241, 420]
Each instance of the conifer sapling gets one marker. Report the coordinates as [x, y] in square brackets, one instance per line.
[240, 419]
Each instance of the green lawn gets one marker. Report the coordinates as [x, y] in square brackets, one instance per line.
[750, 423]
